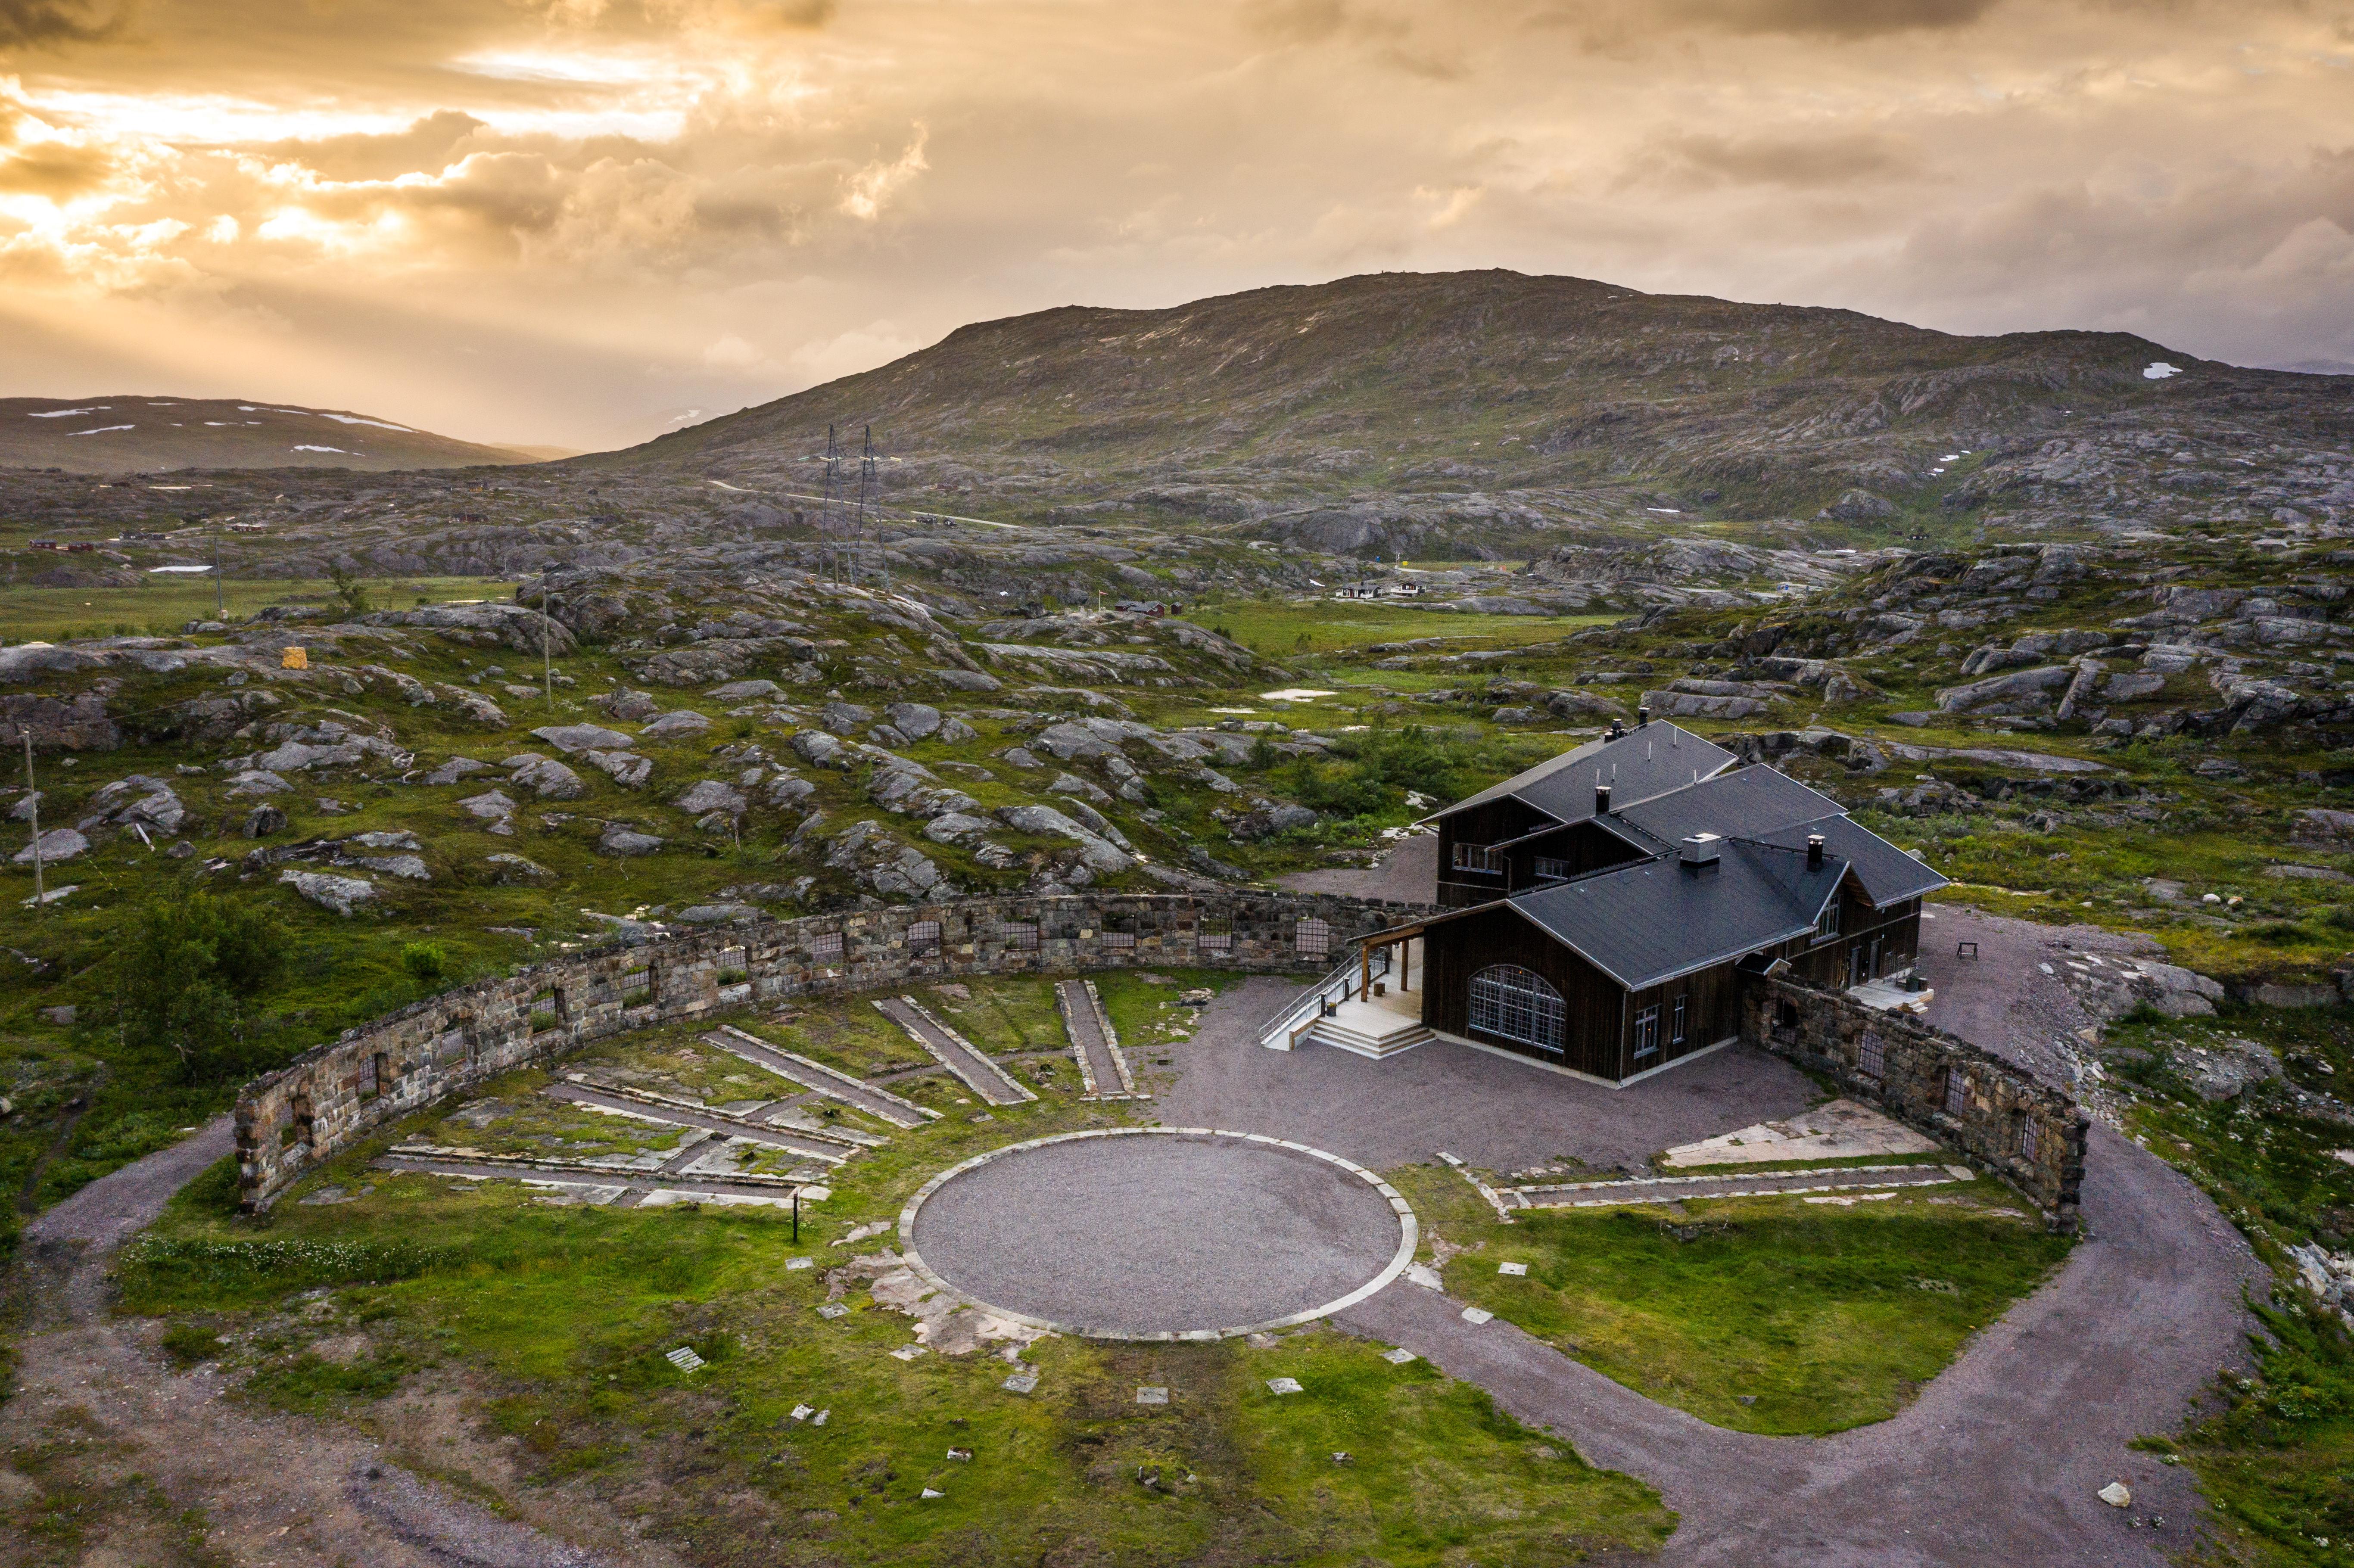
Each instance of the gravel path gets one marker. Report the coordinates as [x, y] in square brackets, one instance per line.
[272, 1489]
[984, 1077]
[818, 1080]
[1157, 1235]
[680, 1116]
[1091, 1044]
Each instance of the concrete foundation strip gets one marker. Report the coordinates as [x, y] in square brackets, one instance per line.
[1085, 1021]
[823, 1145]
[1608, 1194]
[1111, 1043]
[1088, 1087]
[819, 1078]
[550, 1174]
[977, 1078]
[1503, 1212]
[1409, 1236]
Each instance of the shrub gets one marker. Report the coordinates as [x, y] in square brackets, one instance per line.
[191, 975]
[425, 962]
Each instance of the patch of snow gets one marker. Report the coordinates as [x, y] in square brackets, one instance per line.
[338, 450]
[2158, 370]
[101, 429]
[355, 419]
[61, 413]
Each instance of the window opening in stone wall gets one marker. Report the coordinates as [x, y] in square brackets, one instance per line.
[2031, 1137]
[1957, 1091]
[637, 985]
[547, 1009]
[1217, 933]
[1786, 1016]
[1120, 941]
[379, 1078]
[1514, 1003]
[734, 967]
[1871, 1056]
[924, 936]
[1020, 935]
[1312, 938]
[1647, 1033]
[826, 947]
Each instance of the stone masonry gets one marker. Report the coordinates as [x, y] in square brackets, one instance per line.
[290, 1120]
[1996, 1115]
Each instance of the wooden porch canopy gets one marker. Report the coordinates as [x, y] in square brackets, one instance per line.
[1389, 939]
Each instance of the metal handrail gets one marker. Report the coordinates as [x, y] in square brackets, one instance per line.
[1310, 1004]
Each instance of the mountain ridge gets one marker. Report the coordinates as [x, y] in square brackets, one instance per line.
[148, 432]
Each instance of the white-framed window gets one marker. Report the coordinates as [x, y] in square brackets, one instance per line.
[1514, 1003]
[1647, 1033]
[1217, 933]
[1483, 858]
[924, 936]
[1957, 1091]
[1826, 923]
[1020, 935]
[1676, 1031]
[1552, 869]
[1312, 937]
[1871, 1056]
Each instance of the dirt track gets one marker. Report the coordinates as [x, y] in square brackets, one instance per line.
[269, 1489]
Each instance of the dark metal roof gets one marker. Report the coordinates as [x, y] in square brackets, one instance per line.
[1638, 765]
[1652, 921]
[1745, 804]
[1887, 874]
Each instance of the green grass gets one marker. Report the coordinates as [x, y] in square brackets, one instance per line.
[161, 605]
[1003, 1014]
[559, 1318]
[1273, 627]
[1822, 1317]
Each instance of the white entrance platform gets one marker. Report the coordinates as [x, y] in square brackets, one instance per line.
[1375, 1029]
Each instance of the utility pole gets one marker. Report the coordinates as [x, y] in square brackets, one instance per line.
[867, 482]
[33, 801]
[220, 602]
[825, 504]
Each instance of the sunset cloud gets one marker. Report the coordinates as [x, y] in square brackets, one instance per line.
[541, 219]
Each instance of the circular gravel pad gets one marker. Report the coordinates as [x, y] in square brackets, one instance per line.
[1156, 1233]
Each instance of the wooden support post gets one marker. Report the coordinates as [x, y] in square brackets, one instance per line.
[1364, 971]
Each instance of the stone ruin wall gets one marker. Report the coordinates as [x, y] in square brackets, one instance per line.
[290, 1120]
[2001, 1102]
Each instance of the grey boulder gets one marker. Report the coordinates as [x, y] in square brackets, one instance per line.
[339, 893]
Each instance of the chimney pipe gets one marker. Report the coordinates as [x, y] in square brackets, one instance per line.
[1642, 715]
[1602, 800]
[1814, 852]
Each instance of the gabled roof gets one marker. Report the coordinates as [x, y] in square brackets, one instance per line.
[1746, 803]
[1886, 874]
[1636, 766]
[1652, 921]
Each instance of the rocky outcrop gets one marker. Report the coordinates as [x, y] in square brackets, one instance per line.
[78, 723]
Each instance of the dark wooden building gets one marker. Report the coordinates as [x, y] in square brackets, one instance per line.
[1603, 907]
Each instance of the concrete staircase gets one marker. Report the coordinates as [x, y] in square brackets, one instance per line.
[1366, 1030]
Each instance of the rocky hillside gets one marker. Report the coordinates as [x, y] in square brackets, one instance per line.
[1476, 412]
[146, 433]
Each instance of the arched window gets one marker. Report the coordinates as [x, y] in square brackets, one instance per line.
[1514, 1003]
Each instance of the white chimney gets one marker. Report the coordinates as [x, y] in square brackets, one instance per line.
[1701, 849]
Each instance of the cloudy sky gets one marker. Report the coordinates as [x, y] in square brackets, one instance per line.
[563, 220]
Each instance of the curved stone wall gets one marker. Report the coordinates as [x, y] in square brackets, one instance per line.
[290, 1120]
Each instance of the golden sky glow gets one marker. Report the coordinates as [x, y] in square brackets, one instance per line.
[522, 220]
